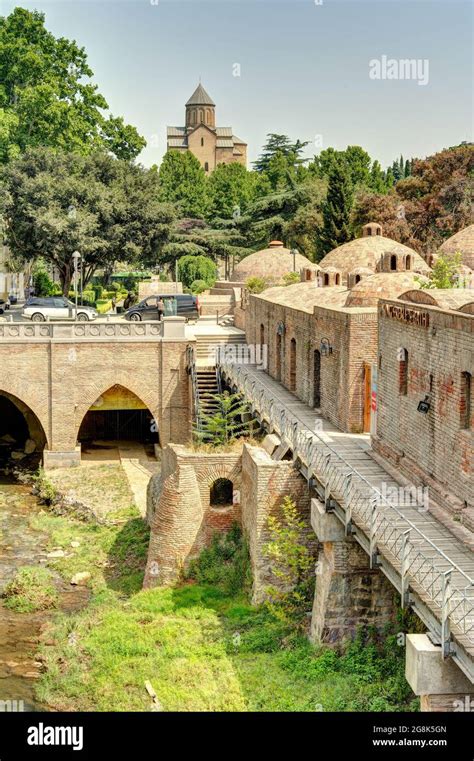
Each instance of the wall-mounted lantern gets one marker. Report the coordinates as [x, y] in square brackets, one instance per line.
[325, 347]
[281, 329]
[425, 405]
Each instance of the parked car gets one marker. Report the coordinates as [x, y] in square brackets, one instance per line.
[38, 309]
[4, 305]
[182, 304]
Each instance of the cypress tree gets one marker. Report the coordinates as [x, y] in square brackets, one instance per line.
[335, 229]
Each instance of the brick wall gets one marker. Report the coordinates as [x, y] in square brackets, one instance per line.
[430, 448]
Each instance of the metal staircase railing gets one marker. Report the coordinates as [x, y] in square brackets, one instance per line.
[440, 582]
[191, 368]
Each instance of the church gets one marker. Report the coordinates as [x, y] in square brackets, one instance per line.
[210, 144]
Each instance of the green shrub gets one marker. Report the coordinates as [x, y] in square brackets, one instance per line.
[291, 277]
[192, 268]
[256, 284]
[98, 291]
[198, 286]
[103, 306]
[30, 590]
[225, 563]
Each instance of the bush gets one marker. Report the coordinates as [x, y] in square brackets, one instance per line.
[256, 284]
[103, 306]
[192, 268]
[30, 590]
[198, 286]
[225, 563]
[290, 278]
[43, 284]
[98, 291]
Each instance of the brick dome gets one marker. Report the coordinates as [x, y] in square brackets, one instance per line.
[368, 252]
[271, 264]
[462, 241]
[381, 285]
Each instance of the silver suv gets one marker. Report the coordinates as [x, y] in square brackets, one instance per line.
[40, 309]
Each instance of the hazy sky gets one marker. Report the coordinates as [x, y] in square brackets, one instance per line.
[304, 67]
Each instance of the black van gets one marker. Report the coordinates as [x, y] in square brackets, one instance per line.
[180, 304]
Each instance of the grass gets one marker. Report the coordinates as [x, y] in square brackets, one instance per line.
[30, 590]
[201, 645]
[104, 488]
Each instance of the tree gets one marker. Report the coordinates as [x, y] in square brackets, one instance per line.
[192, 268]
[183, 182]
[446, 272]
[226, 424]
[54, 203]
[280, 145]
[292, 561]
[47, 97]
[231, 188]
[335, 229]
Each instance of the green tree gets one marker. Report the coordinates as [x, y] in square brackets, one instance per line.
[192, 268]
[54, 203]
[335, 229]
[292, 562]
[225, 424]
[231, 188]
[47, 97]
[446, 272]
[280, 145]
[183, 182]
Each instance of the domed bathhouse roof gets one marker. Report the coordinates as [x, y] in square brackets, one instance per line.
[271, 264]
[462, 241]
[371, 252]
[304, 296]
[382, 285]
[454, 299]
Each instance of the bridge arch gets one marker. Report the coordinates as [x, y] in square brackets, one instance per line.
[118, 411]
[22, 421]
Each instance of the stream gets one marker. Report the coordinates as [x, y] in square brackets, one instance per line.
[21, 545]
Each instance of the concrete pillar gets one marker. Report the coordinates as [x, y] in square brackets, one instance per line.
[348, 593]
[440, 684]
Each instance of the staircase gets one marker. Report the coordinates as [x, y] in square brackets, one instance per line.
[208, 387]
[206, 346]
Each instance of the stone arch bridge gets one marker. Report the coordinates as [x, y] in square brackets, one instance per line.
[53, 373]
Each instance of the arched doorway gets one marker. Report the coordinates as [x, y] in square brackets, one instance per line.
[317, 379]
[293, 364]
[117, 415]
[221, 493]
[279, 349]
[21, 433]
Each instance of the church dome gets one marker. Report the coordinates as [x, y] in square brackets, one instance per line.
[382, 285]
[462, 241]
[369, 252]
[271, 264]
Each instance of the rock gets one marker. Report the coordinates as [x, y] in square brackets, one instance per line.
[75, 544]
[80, 578]
[18, 455]
[7, 439]
[56, 554]
[30, 446]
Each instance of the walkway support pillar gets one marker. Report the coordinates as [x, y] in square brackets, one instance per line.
[53, 460]
[348, 593]
[441, 685]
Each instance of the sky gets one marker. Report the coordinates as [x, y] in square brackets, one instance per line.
[297, 67]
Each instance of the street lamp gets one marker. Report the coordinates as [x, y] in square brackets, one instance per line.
[76, 259]
[294, 251]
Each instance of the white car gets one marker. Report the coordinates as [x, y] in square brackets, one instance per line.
[40, 309]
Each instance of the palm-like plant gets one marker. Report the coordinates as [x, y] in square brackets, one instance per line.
[224, 424]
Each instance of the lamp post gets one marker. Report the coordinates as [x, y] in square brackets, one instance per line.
[76, 258]
[294, 251]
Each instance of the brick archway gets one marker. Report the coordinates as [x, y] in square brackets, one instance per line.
[96, 391]
[35, 416]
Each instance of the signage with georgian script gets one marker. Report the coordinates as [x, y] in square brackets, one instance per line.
[404, 313]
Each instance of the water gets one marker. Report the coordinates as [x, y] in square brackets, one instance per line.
[22, 545]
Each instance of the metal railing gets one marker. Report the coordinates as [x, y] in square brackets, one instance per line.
[191, 367]
[440, 582]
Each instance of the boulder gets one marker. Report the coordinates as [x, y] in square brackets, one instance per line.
[30, 446]
[80, 578]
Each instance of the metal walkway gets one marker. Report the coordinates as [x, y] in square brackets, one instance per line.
[432, 570]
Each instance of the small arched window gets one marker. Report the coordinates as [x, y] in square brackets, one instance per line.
[262, 335]
[338, 279]
[465, 402]
[221, 493]
[202, 141]
[402, 372]
[393, 262]
[408, 262]
[326, 279]
[206, 166]
[357, 278]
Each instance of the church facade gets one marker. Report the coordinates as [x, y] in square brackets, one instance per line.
[210, 144]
